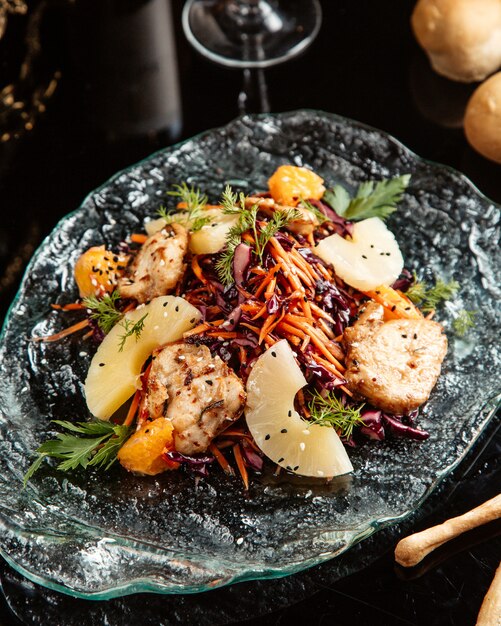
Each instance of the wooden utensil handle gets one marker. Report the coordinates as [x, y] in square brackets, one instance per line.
[411, 550]
[490, 611]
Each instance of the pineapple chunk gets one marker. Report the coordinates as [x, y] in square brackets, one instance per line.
[290, 183]
[97, 270]
[369, 259]
[113, 375]
[142, 452]
[210, 239]
[276, 426]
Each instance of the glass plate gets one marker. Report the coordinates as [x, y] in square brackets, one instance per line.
[105, 535]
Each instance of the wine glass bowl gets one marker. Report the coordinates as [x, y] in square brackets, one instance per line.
[251, 33]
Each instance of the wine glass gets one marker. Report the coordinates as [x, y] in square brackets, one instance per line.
[251, 34]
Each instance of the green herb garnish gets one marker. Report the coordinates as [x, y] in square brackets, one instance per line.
[104, 310]
[224, 264]
[131, 329]
[330, 411]
[98, 447]
[428, 298]
[373, 199]
[463, 322]
[235, 204]
[321, 217]
[195, 202]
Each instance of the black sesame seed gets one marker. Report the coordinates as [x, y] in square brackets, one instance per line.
[280, 460]
[407, 308]
[289, 468]
[363, 256]
[289, 413]
[209, 382]
[274, 354]
[284, 430]
[404, 336]
[192, 320]
[381, 253]
[120, 267]
[147, 430]
[296, 468]
[393, 307]
[415, 335]
[267, 437]
[372, 245]
[165, 303]
[377, 291]
[212, 225]
[305, 298]
[115, 259]
[101, 364]
[177, 309]
[388, 254]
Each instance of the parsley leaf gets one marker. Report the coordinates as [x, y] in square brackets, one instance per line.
[428, 298]
[98, 447]
[131, 329]
[104, 310]
[373, 199]
[330, 411]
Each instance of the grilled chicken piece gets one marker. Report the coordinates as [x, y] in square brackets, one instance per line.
[393, 364]
[303, 225]
[158, 265]
[199, 393]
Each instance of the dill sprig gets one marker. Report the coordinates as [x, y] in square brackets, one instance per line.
[224, 264]
[373, 199]
[278, 220]
[98, 447]
[104, 310]
[247, 220]
[428, 298]
[195, 202]
[330, 411]
[463, 322]
[131, 329]
[233, 202]
[321, 217]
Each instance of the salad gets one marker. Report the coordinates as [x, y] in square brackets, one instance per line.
[280, 325]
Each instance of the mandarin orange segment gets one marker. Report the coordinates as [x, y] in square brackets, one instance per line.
[290, 183]
[97, 271]
[142, 452]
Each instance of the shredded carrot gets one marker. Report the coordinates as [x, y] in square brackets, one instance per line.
[221, 459]
[197, 270]
[396, 304]
[430, 315]
[269, 277]
[72, 306]
[266, 327]
[197, 330]
[224, 334]
[138, 238]
[241, 465]
[131, 413]
[87, 335]
[63, 333]
[270, 290]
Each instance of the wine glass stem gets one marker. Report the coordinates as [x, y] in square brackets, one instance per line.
[253, 98]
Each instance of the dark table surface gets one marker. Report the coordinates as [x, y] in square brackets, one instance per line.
[101, 92]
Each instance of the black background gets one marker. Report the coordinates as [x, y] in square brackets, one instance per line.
[365, 65]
